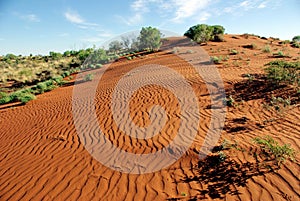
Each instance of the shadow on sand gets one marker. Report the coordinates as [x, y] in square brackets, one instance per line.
[220, 178]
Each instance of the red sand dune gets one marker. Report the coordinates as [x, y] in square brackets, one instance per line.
[43, 158]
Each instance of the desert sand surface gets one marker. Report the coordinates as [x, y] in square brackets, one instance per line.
[43, 158]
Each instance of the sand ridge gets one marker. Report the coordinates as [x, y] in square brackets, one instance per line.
[42, 157]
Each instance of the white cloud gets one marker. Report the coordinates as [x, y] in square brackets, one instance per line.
[75, 18]
[31, 17]
[203, 16]
[179, 10]
[262, 5]
[240, 7]
[64, 34]
[92, 39]
[185, 9]
[135, 19]
[27, 17]
[100, 37]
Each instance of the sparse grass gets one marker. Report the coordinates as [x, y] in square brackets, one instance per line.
[279, 54]
[88, 77]
[271, 149]
[189, 51]
[175, 50]
[250, 77]
[229, 101]
[221, 156]
[236, 64]
[279, 103]
[216, 59]
[234, 52]
[282, 72]
[266, 49]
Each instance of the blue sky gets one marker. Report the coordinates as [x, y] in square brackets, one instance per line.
[38, 26]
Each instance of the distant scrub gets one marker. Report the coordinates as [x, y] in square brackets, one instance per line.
[296, 42]
[282, 72]
[203, 33]
[88, 77]
[266, 49]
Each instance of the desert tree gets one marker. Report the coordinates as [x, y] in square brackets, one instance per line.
[149, 38]
[126, 42]
[202, 33]
[115, 46]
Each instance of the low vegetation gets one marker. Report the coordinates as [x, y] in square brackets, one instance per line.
[283, 72]
[270, 150]
[39, 74]
[88, 77]
[296, 42]
[203, 33]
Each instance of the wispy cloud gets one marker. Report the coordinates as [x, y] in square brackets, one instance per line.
[178, 11]
[31, 18]
[27, 17]
[262, 5]
[185, 9]
[75, 18]
[63, 34]
[132, 20]
[248, 5]
[100, 37]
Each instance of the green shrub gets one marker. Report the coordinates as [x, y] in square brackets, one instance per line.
[282, 72]
[266, 49]
[98, 65]
[216, 60]
[271, 148]
[278, 103]
[296, 44]
[149, 38]
[58, 80]
[88, 77]
[203, 33]
[66, 74]
[42, 87]
[26, 97]
[233, 52]
[3, 94]
[4, 98]
[296, 39]
[229, 101]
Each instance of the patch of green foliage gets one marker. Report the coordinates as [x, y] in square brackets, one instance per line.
[283, 72]
[149, 38]
[272, 150]
[296, 42]
[26, 97]
[229, 101]
[203, 33]
[216, 59]
[88, 77]
[266, 49]
[234, 52]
